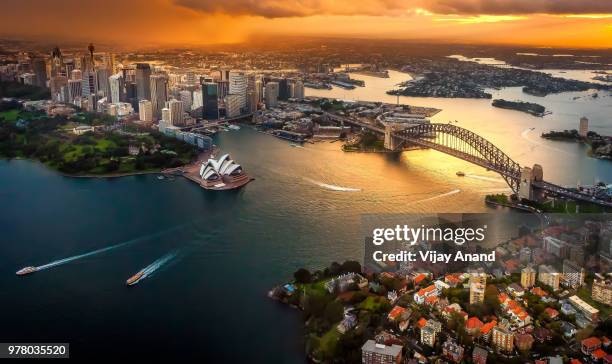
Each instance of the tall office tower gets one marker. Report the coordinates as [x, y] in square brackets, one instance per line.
[55, 84]
[76, 74]
[143, 82]
[89, 83]
[116, 85]
[271, 94]
[159, 93]
[190, 78]
[57, 62]
[528, 277]
[176, 112]
[109, 62]
[75, 89]
[584, 127]
[102, 75]
[259, 90]
[39, 67]
[210, 102]
[165, 118]
[251, 101]
[145, 111]
[186, 98]
[225, 74]
[69, 66]
[283, 89]
[131, 93]
[238, 86]
[197, 99]
[232, 105]
[129, 74]
[223, 88]
[298, 90]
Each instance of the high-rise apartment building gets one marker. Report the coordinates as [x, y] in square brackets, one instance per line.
[159, 93]
[528, 277]
[271, 94]
[145, 111]
[117, 93]
[549, 276]
[502, 338]
[176, 112]
[573, 274]
[143, 82]
[583, 127]
[477, 293]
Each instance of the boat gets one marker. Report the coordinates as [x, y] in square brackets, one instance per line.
[134, 279]
[234, 127]
[160, 177]
[460, 174]
[26, 270]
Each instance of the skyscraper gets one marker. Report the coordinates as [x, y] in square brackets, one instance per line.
[145, 111]
[102, 85]
[116, 85]
[528, 277]
[584, 127]
[39, 67]
[159, 93]
[143, 82]
[186, 98]
[210, 102]
[89, 83]
[283, 89]
[238, 86]
[271, 94]
[298, 88]
[176, 112]
[75, 89]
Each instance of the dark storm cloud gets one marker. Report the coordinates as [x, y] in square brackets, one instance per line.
[299, 8]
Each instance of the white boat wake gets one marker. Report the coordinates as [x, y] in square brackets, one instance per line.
[484, 178]
[99, 251]
[333, 187]
[151, 268]
[525, 134]
[449, 193]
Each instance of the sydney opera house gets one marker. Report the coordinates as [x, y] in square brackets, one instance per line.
[222, 174]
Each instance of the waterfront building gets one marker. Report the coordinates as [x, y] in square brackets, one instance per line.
[143, 82]
[117, 93]
[376, 352]
[223, 88]
[238, 86]
[583, 127]
[39, 67]
[602, 291]
[573, 274]
[259, 90]
[210, 103]
[232, 105]
[176, 112]
[528, 277]
[477, 293]
[549, 276]
[502, 338]
[145, 111]
[159, 93]
[271, 94]
[251, 101]
[590, 312]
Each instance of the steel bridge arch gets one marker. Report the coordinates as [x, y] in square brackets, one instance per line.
[465, 144]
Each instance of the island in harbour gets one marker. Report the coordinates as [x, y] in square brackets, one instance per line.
[600, 145]
[528, 107]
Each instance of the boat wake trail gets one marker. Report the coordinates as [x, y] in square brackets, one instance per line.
[151, 268]
[484, 178]
[449, 193]
[525, 136]
[333, 187]
[99, 251]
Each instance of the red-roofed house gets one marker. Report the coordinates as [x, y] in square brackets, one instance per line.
[598, 354]
[539, 292]
[473, 325]
[452, 280]
[419, 278]
[588, 346]
[485, 330]
[551, 312]
[422, 322]
[396, 313]
[575, 361]
[422, 294]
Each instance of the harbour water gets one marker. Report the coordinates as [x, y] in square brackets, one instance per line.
[302, 210]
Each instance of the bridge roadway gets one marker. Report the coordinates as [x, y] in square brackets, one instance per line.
[547, 186]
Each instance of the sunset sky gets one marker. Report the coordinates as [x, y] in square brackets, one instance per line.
[563, 23]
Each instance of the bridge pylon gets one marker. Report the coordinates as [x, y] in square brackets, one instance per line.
[528, 177]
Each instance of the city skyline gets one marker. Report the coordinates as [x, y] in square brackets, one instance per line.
[200, 22]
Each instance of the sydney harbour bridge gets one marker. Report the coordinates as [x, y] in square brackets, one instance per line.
[525, 182]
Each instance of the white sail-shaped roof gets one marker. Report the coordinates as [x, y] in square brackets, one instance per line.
[223, 166]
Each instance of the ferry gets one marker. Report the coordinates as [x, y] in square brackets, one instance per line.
[460, 174]
[135, 278]
[26, 270]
